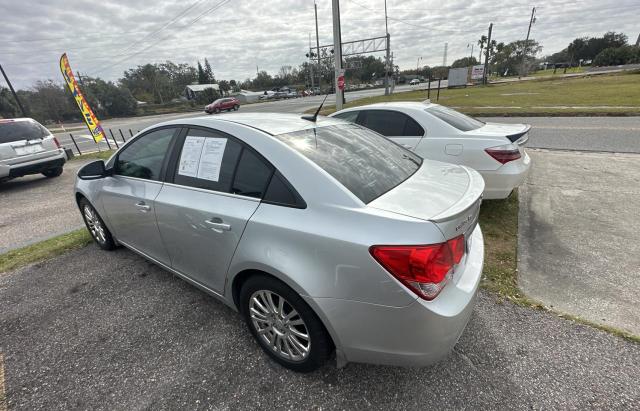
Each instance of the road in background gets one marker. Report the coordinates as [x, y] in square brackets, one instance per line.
[612, 134]
[297, 105]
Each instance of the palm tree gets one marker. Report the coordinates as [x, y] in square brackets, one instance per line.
[481, 43]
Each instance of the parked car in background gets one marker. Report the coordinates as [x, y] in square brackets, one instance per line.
[414, 82]
[436, 132]
[27, 147]
[227, 103]
[323, 234]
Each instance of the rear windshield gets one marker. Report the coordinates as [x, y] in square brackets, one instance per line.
[21, 130]
[454, 118]
[366, 163]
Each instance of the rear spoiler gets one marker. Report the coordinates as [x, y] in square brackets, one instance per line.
[522, 137]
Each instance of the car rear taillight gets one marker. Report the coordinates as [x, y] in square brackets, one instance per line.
[55, 140]
[425, 269]
[504, 154]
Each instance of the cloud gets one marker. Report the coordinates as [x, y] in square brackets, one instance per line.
[106, 38]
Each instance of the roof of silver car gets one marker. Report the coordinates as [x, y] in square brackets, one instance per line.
[271, 123]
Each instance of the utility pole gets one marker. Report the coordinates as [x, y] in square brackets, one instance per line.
[638, 41]
[526, 42]
[486, 56]
[470, 55]
[388, 57]
[315, 7]
[311, 64]
[418, 65]
[444, 56]
[337, 51]
[24, 113]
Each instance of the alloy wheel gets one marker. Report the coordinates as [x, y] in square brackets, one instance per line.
[94, 224]
[279, 325]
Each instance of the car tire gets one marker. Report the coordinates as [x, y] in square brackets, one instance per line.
[236, 107]
[98, 230]
[217, 110]
[51, 173]
[289, 321]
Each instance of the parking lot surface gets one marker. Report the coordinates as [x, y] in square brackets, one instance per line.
[98, 330]
[35, 208]
[578, 235]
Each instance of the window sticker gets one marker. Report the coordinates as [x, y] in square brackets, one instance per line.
[211, 159]
[201, 157]
[190, 157]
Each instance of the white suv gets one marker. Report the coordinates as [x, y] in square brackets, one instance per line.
[27, 147]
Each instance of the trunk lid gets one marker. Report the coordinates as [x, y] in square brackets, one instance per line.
[516, 133]
[446, 194]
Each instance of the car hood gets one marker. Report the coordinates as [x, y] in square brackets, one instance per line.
[437, 192]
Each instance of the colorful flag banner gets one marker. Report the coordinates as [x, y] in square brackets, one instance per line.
[89, 118]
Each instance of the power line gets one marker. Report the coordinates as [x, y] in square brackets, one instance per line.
[167, 24]
[200, 16]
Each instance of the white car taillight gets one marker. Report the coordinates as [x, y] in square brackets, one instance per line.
[505, 153]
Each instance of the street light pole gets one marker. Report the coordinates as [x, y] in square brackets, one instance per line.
[418, 65]
[387, 61]
[315, 7]
[337, 51]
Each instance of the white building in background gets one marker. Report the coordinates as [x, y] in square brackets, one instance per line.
[192, 90]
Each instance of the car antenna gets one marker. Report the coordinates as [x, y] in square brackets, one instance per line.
[314, 117]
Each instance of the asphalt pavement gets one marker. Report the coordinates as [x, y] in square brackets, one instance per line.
[35, 208]
[608, 134]
[98, 330]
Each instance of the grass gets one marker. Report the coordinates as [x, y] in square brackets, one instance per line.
[591, 95]
[499, 222]
[99, 155]
[44, 250]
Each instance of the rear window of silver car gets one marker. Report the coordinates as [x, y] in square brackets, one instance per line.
[11, 131]
[454, 118]
[366, 163]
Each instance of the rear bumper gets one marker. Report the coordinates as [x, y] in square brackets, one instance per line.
[33, 167]
[419, 334]
[501, 182]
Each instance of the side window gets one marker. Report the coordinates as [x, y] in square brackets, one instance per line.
[252, 175]
[279, 192]
[143, 158]
[387, 123]
[349, 116]
[207, 160]
[412, 128]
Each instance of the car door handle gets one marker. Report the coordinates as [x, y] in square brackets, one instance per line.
[217, 225]
[143, 207]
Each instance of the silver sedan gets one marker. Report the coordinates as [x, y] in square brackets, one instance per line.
[325, 236]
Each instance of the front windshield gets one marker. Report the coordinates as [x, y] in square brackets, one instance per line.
[454, 118]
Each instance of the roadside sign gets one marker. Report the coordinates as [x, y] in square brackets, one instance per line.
[341, 82]
[477, 72]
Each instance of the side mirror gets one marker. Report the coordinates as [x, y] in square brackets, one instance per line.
[93, 171]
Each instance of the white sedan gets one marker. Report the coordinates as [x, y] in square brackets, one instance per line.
[436, 132]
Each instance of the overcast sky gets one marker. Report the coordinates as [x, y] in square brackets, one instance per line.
[104, 38]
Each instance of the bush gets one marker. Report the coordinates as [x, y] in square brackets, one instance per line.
[618, 56]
